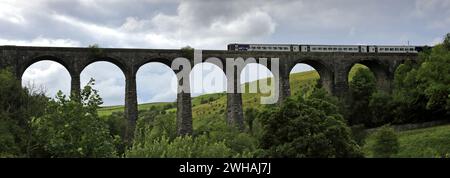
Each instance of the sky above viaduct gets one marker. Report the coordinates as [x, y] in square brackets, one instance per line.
[202, 24]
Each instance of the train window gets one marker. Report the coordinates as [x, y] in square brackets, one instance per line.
[263, 47]
[391, 49]
[402, 49]
[334, 48]
[396, 49]
[285, 48]
[411, 49]
[258, 47]
[345, 49]
[320, 48]
[330, 49]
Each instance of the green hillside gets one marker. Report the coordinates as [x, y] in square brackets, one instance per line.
[427, 143]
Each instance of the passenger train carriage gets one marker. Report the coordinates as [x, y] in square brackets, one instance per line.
[325, 48]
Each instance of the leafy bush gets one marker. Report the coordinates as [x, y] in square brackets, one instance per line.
[71, 128]
[17, 108]
[361, 88]
[306, 127]
[117, 128]
[385, 142]
[381, 108]
[180, 147]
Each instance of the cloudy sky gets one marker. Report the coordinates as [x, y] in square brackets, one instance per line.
[205, 24]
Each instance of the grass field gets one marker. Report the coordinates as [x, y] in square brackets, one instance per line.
[424, 143]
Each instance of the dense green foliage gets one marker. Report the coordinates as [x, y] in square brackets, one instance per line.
[70, 128]
[180, 147]
[155, 136]
[361, 88]
[32, 125]
[307, 127]
[421, 92]
[422, 89]
[18, 107]
[385, 143]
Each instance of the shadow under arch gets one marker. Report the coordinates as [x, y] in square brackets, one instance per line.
[380, 71]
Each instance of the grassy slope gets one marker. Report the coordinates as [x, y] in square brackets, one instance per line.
[427, 142]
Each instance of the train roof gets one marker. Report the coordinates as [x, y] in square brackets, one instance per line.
[326, 44]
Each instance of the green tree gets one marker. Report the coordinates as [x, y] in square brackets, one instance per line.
[385, 142]
[306, 127]
[17, 108]
[70, 128]
[381, 108]
[361, 88]
[422, 90]
[434, 75]
[249, 118]
[446, 42]
[408, 97]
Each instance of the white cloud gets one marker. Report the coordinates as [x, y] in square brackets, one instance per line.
[156, 82]
[41, 41]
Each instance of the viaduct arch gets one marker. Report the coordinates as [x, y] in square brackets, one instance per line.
[333, 69]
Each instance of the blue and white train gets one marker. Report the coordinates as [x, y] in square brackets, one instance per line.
[325, 48]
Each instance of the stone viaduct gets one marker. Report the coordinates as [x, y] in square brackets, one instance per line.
[333, 69]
